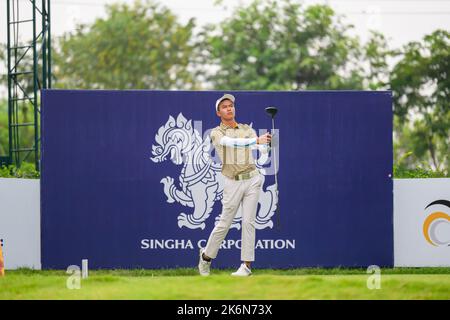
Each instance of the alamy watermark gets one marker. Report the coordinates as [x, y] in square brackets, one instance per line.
[74, 280]
[374, 280]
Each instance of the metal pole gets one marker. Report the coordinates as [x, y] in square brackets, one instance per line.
[44, 47]
[15, 102]
[9, 83]
[49, 71]
[35, 89]
[277, 210]
[275, 155]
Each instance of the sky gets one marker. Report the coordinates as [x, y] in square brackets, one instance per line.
[401, 21]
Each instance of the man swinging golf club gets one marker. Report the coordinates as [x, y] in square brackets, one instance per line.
[242, 183]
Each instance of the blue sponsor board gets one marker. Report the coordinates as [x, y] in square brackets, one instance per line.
[130, 179]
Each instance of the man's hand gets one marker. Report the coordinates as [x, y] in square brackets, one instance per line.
[264, 139]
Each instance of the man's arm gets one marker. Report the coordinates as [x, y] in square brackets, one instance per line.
[218, 138]
[238, 142]
[263, 147]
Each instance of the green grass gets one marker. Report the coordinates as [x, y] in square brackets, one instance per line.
[310, 283]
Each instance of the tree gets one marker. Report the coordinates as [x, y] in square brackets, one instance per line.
[273, 46]
[135, 47]
[421, 92]
[376, 52]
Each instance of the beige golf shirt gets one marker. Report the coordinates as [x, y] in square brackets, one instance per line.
[235, 160]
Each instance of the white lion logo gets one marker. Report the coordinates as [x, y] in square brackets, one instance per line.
[201, 180]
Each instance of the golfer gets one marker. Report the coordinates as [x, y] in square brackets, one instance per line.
[242, 184]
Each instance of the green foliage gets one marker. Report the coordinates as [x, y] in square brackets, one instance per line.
[272, 45]
[25, 133]
[419, 172]
[26, 170]
[376, 53]
[421, 92]
[26, 64]
[402, 169]
[141, 46]
[265, 45]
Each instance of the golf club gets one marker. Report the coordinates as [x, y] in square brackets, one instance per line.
[272, 111]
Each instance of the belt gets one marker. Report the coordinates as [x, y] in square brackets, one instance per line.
[245, 176]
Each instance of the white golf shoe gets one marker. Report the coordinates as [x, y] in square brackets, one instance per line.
[204, 267]
[243, 271]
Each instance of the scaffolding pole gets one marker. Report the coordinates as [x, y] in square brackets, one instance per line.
[29, 71]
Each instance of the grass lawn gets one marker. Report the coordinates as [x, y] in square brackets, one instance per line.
[310, 283]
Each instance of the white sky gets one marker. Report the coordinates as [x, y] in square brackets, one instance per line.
[400, 21]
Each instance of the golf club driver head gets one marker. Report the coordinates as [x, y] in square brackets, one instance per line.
[272, 111]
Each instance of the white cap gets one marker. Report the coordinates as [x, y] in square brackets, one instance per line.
[224, 97]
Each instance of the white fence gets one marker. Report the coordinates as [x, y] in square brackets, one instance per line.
[421, 222]
[20, 223]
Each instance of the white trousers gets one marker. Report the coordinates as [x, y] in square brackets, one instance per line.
[235, 192]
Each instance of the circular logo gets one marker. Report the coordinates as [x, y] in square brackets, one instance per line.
[434, 222]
